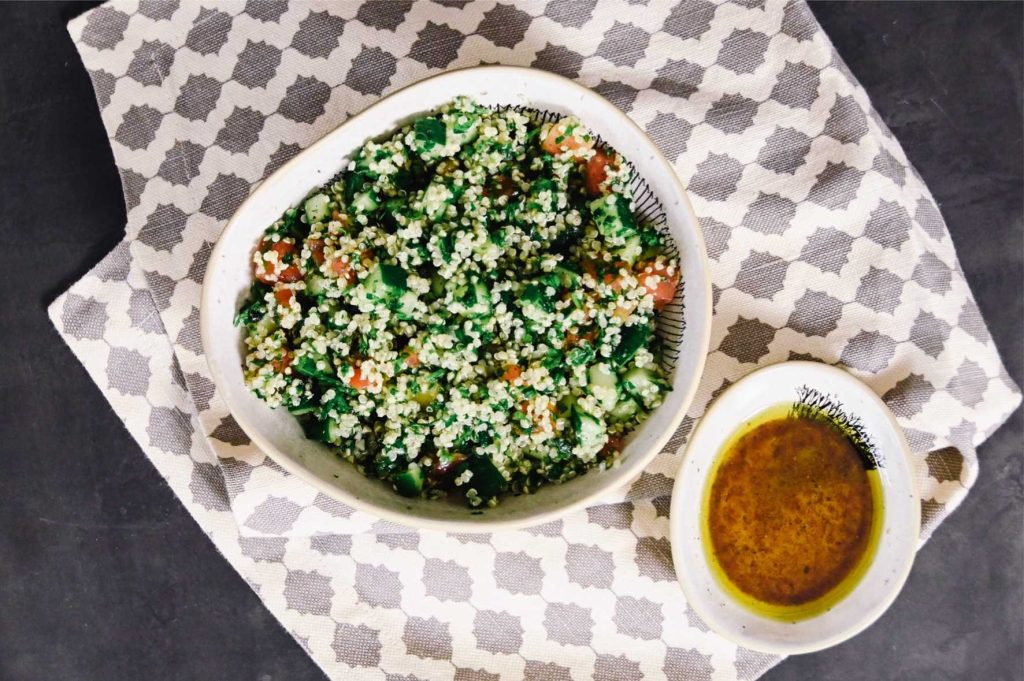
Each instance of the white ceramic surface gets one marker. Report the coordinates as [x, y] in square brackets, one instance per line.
[277, 433]
[888, 570]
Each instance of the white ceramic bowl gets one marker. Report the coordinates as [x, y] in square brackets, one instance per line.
[277, 433]
[901, 522]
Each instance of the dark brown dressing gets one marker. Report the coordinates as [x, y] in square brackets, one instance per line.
[791, 512]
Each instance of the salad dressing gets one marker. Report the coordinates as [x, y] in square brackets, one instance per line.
[791, 516]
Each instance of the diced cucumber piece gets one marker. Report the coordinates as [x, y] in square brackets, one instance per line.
[624, 410]
[477, 299]
[437, 283]
[324, 430]
[393, 276]
[316, 208]
[590, 430]
[551, 279]
[386, 282]
[631, 250]
[409, 483]
[613, 218]
[365, 202]
[632, 338]
[567, 276]
[354, 183]
[333, 430]
[534, 294]
[446, 246]
[643, 384]
[604, 386]
[487, 480]
[299, 410]
[310, 366]
[424, 395]
[316, 284]
[430, 136]
[384, 466]
[463, 127]
[264, 327]
[313, 428]
[651, 244]
[488, 251]
[430, 130]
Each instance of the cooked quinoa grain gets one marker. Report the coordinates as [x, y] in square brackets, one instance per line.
[469, 308]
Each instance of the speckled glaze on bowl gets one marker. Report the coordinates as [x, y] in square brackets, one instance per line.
[789, 382]
[277, 433]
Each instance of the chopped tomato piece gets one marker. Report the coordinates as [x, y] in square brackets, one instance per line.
[612, 447]
[283, 270]
[597, 172]
[266, 272]
[624, 309]
[506, 186]
[444, 466]
[539, 415]
[282, 248]
[316, 248]
[284, 296]
[662, 285]
[290, 274]
[573, 339]
[366, 257]
[359, 381]
[617, 279]
[343, 270]
[338, 216]
[279, 365]
[266, 275]
[512, 372]
[559, 141]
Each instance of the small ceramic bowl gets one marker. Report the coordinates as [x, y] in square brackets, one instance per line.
[684, 325]
[888, 566]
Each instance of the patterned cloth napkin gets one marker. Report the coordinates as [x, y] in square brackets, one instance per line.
[824, 244]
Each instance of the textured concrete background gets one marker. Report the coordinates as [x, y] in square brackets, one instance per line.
[103, 575]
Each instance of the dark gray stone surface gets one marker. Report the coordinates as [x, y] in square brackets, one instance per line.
[103, 575]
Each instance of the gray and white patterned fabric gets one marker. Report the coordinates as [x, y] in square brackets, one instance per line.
[824, 244]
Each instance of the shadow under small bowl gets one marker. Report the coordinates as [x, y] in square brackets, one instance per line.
[850, 401]
[685, 324]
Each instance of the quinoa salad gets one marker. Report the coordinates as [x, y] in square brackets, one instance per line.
[468, 309]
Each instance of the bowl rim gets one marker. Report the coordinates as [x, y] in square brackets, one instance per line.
[907, 556]
[477, 525]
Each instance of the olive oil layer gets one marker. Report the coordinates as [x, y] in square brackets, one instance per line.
[791, 516]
